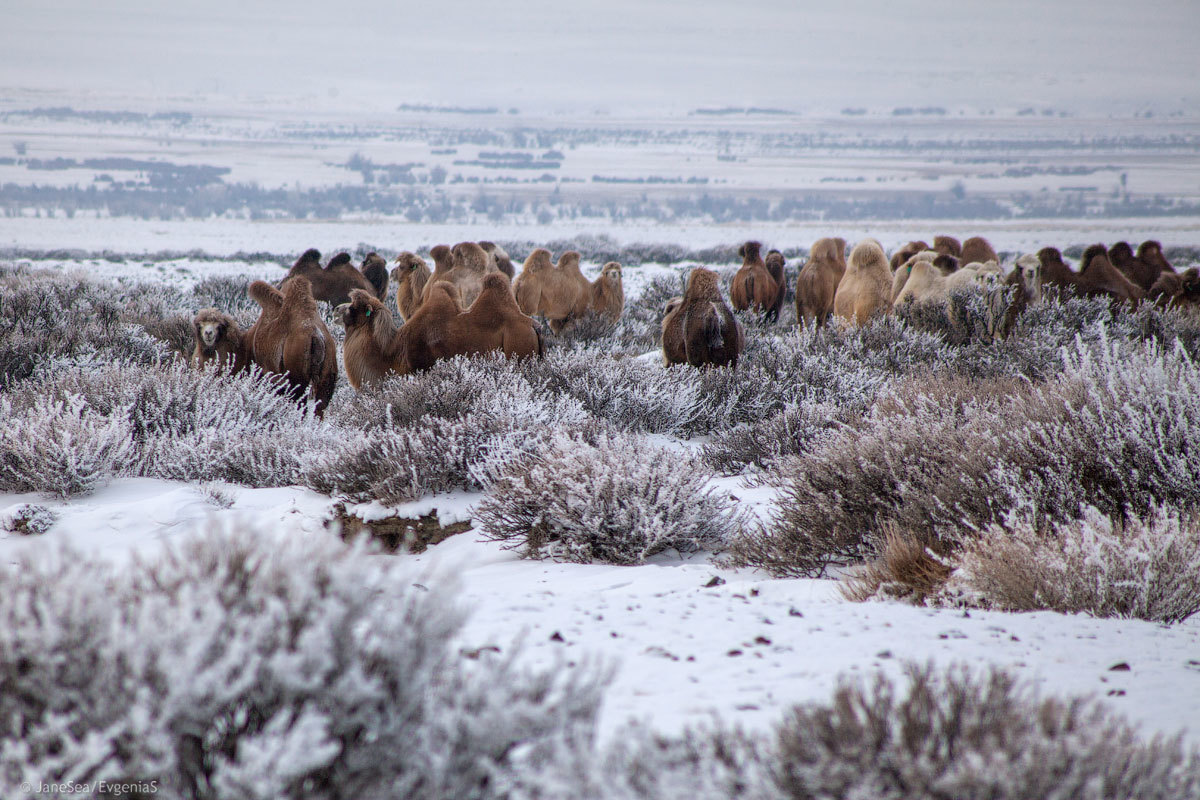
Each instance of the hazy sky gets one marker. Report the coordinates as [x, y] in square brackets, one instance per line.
[614, 55]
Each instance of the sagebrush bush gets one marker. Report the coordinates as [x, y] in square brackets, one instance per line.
[1147, 567]
[940, 733]
[28, 519]
[61, 447]
[1118, 430]
[249, 663]
[616, 500]
[905, 568]
[791, 432]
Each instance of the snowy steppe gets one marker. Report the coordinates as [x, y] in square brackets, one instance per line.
[742, 647]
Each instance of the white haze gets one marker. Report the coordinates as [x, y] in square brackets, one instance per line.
[614, 56]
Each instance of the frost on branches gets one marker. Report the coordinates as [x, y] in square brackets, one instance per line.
[255, 664]
[616, 500]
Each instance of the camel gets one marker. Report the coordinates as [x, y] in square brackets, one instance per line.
[410, 274]
[1097, 276]
[290, 339]
[442, 329]
[372, 349]
[948, 245]
[374, 269]
[1177, 289]
[866, 287]
[818, 280]
[1142, 269]
[701, 330]
[498, 259]
[1022, 288]
[557, 293]
[753, 286]
[985, 276]
[926, 284]
[608, 292]
[777, 266]
[333, 283]
[219, 341]
[464, 265]
[978, 249]
[905, 253]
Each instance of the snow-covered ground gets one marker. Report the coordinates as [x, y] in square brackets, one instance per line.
[224, 237]
[743, 649]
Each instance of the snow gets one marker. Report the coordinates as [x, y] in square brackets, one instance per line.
[744, 649]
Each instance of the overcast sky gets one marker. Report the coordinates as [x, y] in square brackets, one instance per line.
[614, 55]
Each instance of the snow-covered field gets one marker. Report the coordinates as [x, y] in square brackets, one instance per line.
[742, 647]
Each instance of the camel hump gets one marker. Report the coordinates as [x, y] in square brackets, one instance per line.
[266, 295]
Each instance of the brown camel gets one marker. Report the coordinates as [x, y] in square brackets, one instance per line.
[373, 345]
[866, 287]
[219, 341]
[333, 283]
[1142, 269]
[753, 286]
[1022, 288]
[1177, 289]
[557, 293]
[498, 259]
[441, 329]
[818, 280]
[410, 274]
[702, 328]
[905, 253]
[777, 266]
[290, 339]
[978, 249]
[948, 245]
[1097, 276]
[608, 292]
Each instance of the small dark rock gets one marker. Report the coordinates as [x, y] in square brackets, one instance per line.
[717, 580]
[1122, 666]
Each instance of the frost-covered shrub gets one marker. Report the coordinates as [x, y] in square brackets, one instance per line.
[250, 663]
[455, 388]
[60, 446]
[227, 293]
[44, 319]
[942, 733]
[187, 424]
[633, 394]
[795, 430]
[618, 500]
[28, 519]
[1146, 567]
[967, 735]
[1118, 430]
[396, 465]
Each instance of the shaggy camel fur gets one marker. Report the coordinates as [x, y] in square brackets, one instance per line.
[753, 286]
[464, 265]
[218, 341]
[986, 276]
[948, 245]
[373, 345]
[702, 329]
[818, 280]
[1177, 289]
[557, 293]
[608, 292]
[866, 288]
[1142, 269]
[978, 249]
[1022, 288]
[498, 259]
[947, 264]
[290, 339]
[1097, 276]
[777, 266]
[926, 283]
[333, 283]
[906, 252]
[374, 269]
[441, 329]
[410, 274]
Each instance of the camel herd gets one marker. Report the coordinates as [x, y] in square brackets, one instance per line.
[473, 301]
